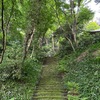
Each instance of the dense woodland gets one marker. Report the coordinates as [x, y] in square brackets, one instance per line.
[33, 31]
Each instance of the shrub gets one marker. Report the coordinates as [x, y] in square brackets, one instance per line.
[31, 69]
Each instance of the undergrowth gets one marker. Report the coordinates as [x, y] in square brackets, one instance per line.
[82, 78]
[23, 88]
[18, 82]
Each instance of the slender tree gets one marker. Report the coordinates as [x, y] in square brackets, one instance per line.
[3, 34]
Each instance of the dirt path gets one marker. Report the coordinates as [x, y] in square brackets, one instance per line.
[50, 86]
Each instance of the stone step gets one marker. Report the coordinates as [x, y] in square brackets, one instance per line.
[53, 83]
[48, 94]
[51, 86]
[50, 98]
[50, 77]
[50, 82]
[48, 88]
[62, 91]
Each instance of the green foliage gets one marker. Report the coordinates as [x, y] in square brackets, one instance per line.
[91, 26]
[20, 16]
[85, 39]
[12, 90]
[31, 69]
[70, 97]
[13, 54]
[84, 15]
[61, 67]
[11, 66]
[72, 86]
[17, 82]
[83, 76]
[65, 48]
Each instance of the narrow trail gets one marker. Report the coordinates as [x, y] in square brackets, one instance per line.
[50, 86]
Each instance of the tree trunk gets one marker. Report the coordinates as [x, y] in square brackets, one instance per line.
[4, 35]
[53, 44]
[73, 21]
[28, 41]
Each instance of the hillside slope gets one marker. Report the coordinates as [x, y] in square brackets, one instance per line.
[81, 73]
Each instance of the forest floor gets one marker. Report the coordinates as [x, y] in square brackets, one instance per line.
[50, 86]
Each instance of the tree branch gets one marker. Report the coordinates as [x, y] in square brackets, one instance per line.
[63, 28]
[11, 13]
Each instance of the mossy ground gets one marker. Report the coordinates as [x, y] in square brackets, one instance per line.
[51, 85]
